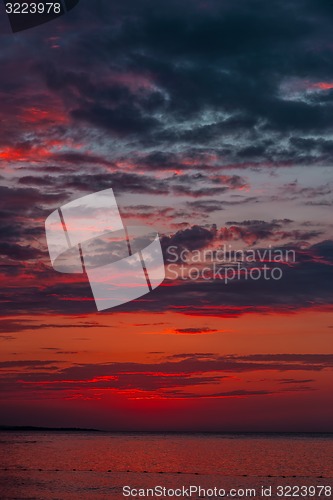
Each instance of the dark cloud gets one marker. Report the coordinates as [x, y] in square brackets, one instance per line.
[250, 232]
[184, 185]
[193, 238]
[296, 381]
[181, 52]
[193, 331]
[24, 200]
[33, 364]
[12, 325]
[121, 120]
[19, 252]
[325, 360]
[166, 378]
[137, 64]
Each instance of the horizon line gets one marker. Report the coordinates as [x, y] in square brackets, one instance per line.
[5, 428]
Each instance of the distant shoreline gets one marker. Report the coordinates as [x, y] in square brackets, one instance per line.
[24, 428]
[11, 428]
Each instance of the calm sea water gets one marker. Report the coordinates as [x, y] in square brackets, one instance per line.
[46, 465]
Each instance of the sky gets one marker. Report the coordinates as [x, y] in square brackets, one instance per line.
[212, 121]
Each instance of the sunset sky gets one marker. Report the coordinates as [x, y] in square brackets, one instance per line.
[212, 120]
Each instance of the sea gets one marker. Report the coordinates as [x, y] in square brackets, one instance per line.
[71, 465]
